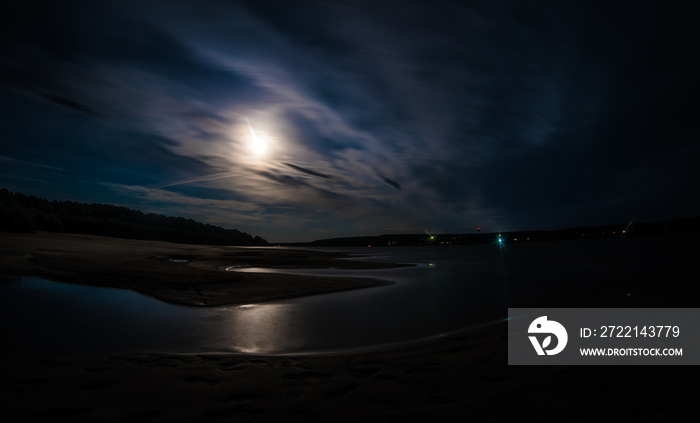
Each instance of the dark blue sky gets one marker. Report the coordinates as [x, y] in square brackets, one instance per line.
[305, 120]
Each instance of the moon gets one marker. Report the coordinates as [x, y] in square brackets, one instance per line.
[257, 145]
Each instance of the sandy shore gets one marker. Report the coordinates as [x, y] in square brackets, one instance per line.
[147, 267]
[462, 378]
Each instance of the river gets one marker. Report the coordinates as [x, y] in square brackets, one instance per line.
[450, 289]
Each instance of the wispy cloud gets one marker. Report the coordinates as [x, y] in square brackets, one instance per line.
[168, 197]
[27, 163]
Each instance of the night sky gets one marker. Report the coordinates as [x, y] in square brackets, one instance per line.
[298, 121]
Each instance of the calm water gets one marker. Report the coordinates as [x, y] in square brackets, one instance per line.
[450, 289]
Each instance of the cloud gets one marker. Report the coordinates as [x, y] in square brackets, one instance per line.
[390, 182]
[493, 112]
[213, 177]
[160, 195]
[308, 171]
[26, 163]
[68, 103]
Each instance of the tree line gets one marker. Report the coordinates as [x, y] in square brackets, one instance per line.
[28, 214]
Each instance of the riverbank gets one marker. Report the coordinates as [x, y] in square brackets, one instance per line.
[176, 273]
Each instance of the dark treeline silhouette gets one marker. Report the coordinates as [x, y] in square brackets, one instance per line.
[605, 231]
[26, 213]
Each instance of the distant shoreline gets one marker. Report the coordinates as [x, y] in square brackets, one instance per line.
[447, 239]
[157, 269]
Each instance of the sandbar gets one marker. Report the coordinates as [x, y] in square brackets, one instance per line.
[178, 273]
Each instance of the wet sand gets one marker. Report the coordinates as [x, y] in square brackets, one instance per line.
[463, 378]
[147, 267]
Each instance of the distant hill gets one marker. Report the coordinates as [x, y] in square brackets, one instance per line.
[26, 213]
[585, 232]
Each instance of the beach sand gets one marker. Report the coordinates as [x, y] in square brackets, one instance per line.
[147, 267]
[457, 378]
[464, 378]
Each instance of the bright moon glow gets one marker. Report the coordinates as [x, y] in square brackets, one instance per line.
[257, 144]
